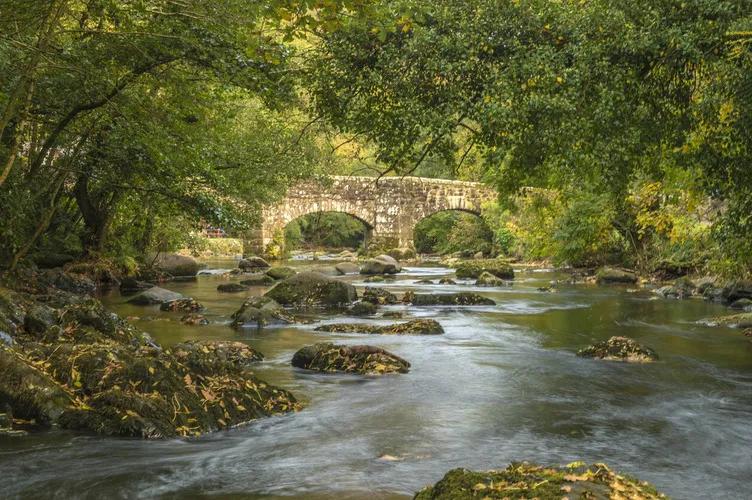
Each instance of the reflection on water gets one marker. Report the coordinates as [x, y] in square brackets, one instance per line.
[502, 384]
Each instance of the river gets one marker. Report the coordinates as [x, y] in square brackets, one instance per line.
[503, 383]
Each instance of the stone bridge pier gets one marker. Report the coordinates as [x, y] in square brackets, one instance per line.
[390, 209]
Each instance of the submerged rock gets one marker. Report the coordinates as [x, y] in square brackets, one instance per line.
[382, 264]
[363, 308]
[232, 288]
[447, 281]
[261, 311]
[488, 279]
[379, 296]
[473, 269]
[742, 304]
[313, 289]
[253, 264]
[608, 275]
[424, 281]
[362, 359]
[619, 349]
[525, 480]
[154, 295]
[258, 279]
[446, 299]
[194, 319]
[375, 279]
[741, 320]
[182, 305]
[414, 327]
[281, 273]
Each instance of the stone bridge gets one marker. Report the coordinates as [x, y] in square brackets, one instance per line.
[390, 209]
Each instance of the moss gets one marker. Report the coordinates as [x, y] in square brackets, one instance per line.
[619, 349]
[379, 296]
[741, 320]
[258, 279]
[523, 480]
[364, 360]
[313, 289]
[474, 268]
[446, 299]
[260, 311]
[363, 308]
[606, 275]
[182, 305]
[281, 273]
[415, 327]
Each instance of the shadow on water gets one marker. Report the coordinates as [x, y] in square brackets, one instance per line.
[502, 384]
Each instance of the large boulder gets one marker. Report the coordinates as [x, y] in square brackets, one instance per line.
[382, 264]
[132, 285]
[232, 288]
[741, 320]
[474, 268]
[253, 264]
[347, 268]
[326, 270]
[176, 264]
[281, 273]
[609, 275]
[260, 312]
[526, 480]
[619, 349]
[363, 308]
[362, 359]
[312, 289]
[258, 279]
[379, 296]
[154, 295]
[414, 327]
[488, 279]
[446, 299]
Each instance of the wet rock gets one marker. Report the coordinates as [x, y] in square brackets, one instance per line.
[741, 320]
[402, 253]
[488, 279]
[393, 314]
[347, 268]
[747, 332]
[742, 304]
[424, 281]
[375, 279]
[346, 255]
[609, 275]
[446, 299]
[546, 289]
[258, 279]
[473, 269]
[619, 349]
[741, 289]
[39, 318]
[703, 284]
[154, 295]
[132, 285]
[668, 292]
[363, 308]
[326, 270]
[379, 296]
[216, 357]
[312, 289]
[253, 264]
[281, 273]
[232, 288]
[414, 327]
[447, 281]
[260, 312]
[382, 264]
[194, 319]
[525, 480]
[51, 260]
[176, 264]
[182, 305]
[361, 359]
[6, 339]
[70, 282]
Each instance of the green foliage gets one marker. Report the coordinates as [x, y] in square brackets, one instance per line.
[325, 229]
[453, 231]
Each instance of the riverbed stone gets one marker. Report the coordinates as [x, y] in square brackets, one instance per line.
[132, 285]
[154, 295]
[474, 268]
[414, 327]
[313, 289]
[253, 263]
[375, 279]
[526, 480]
[281, 273]
[742, 304]
[379, 296]
[257, 279]
[741, 320]
[363, 308]
[446, 299]
[260, 312]
[488, 279]
[447, 281]
[619, 349]
[347, 268]
[185, 304]
[424, 281]
[382, 264]
[360, 359]
[232, 288]
[612, 275]
[176, 264]
[194, 319]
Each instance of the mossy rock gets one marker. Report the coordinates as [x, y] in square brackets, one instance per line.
[611, 275]
[375, 279]
[182, 305]
[424, 281]
[528, 481]
[381, 264]
[379, 296]
[446, 299]
[414, 327]
[360, 359]
[258, 279]
[281, 273]
[313, 289]
[232, 288]
[260, 312]
[474, 268]
[51, 260]
[347, 268]
[176, 264]
[741, 320]
[363, 308]
[619, 349]
[488, 279]
[194, 319]
[253, 263]
[154, 295]
[447, 281]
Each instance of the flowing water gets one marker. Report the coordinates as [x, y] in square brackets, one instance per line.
[502, 384]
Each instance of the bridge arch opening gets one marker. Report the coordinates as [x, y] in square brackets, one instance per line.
[327, 230]
[453, 230]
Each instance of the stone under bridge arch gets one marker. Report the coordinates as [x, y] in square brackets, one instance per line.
[390, 208]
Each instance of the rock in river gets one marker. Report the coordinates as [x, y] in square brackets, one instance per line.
[281, 273]
[258, 279]
[313, 289]
[362, 359]
[446, 299]
[154, 295]
[379, 296]
[253, 264]
[488, 279]
[176, 264]
[363, 308]
[474, 268]
[414, 327]
[347, 268]
[259, 312]
[232, 288]
[382, 264]
[183, 305]
[619, 349]
[608, 275]
[526, 480]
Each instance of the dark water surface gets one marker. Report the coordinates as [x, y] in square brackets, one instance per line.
[502, 384]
